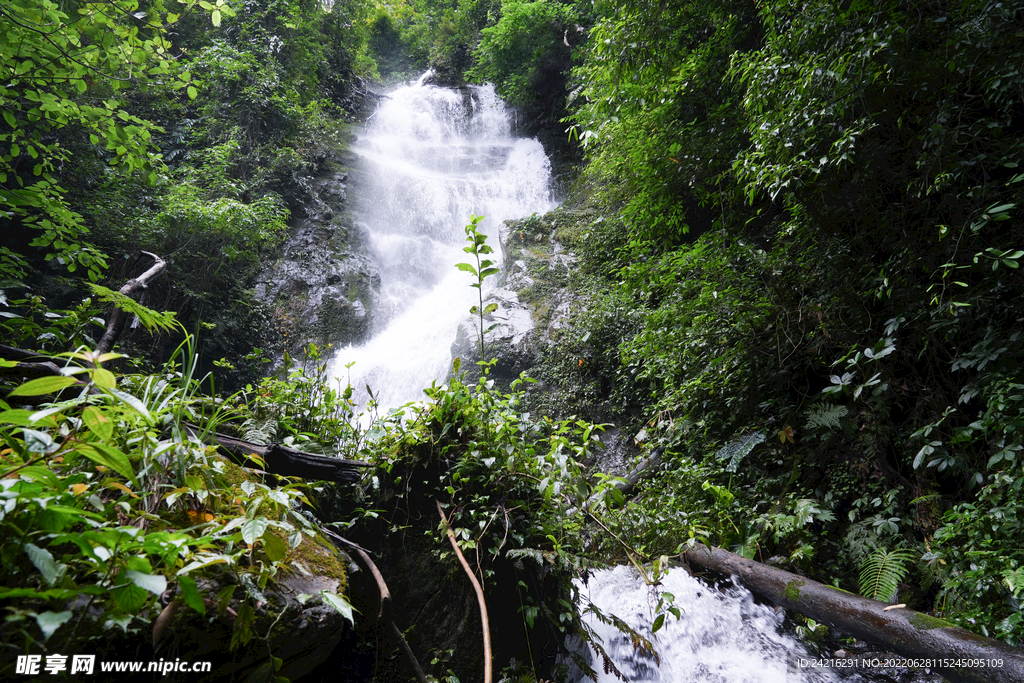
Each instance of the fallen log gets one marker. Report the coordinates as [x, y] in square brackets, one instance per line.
[643, 469]
[959, 655]
[283, 461]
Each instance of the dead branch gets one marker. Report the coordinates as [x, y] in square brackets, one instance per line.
[385, 612]
[116, 322]
[479, 593]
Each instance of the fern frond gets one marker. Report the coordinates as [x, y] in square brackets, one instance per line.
[825, 415]
[1014, 580]
[259, 431]
[150, 319]
[530, 553]
[882, 571]
[735, 451]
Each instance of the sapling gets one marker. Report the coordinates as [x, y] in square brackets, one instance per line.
[477, 246]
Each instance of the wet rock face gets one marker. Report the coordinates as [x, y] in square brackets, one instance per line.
[512, 340]
[534, 302]
[323, 288]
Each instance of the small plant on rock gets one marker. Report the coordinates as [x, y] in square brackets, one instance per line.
[478, 246]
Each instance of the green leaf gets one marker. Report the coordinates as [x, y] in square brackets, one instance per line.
[130, 598]
[53, 593]
[340, 603]
[274, 547]
[264, 673]
[243, 626]
[43, 385]
[205, 561]
[154, 583]
[190, 592]
[41, 474]
[658, 623]
[103, 378]
[43, 561]
[49, 622]
[98, 423]
[215, 17]
[24, 418]
[192, 92]
[111, 457]
[253, 529]
[1001, 208]
[466, 267]
[133, 403]
[224, 598]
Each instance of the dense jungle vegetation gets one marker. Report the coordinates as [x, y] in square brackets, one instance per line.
[799, 236]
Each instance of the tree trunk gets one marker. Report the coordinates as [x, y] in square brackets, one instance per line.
[905, 632]
[284, 461]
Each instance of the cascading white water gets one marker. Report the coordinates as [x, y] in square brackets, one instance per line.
[722, 637]
[430, 158]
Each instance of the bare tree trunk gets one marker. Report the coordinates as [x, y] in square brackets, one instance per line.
[959, 655]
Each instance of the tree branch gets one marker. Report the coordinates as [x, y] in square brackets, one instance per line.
[115, 325]
[385, 612]
[479, 594]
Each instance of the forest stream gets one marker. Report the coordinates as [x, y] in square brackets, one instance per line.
[428, 158]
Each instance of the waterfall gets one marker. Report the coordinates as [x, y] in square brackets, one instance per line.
[430, 157]
[722, 637]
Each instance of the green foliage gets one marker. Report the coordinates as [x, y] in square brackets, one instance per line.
[300, 408]
[107, 500]
[69, 80]
[657, 114]
[667, 516]
[882, 571]
[688, 352]
[32, 323]
[524, 48]
[512, 484]
[821, 205]
[440, 35]
[976, 556]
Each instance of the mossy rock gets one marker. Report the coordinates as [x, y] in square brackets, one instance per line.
[301, 633]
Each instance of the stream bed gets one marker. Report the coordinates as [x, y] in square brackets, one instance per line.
[429, 158]
[723, 635]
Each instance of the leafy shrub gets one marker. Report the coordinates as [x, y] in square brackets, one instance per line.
[108, 498]
[524, 48]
